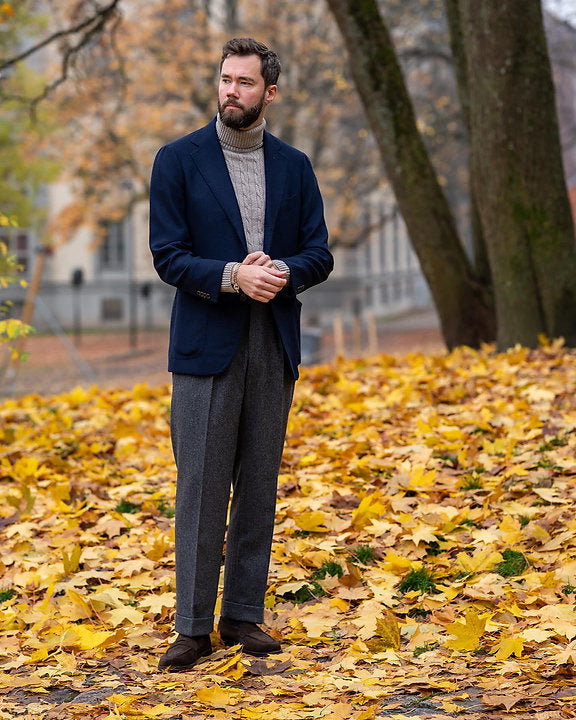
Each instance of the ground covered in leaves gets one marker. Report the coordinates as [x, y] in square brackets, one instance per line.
[424, 563]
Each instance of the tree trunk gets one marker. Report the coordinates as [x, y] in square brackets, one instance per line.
[481, 262]
[517, 170]
[463, 303]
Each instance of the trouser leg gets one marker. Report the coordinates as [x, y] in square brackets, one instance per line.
[204, 424]
[267, 398]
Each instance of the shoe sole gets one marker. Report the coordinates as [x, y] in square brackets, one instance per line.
[183, 668]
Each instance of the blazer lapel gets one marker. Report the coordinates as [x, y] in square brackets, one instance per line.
[275, 169]
[209, 159]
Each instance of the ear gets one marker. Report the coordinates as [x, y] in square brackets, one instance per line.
[270, 94]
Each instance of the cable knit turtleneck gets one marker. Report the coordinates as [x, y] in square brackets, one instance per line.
[244, 154]
[240, 140]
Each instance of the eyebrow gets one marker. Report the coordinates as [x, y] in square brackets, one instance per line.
[242, 77]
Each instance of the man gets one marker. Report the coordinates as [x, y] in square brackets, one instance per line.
[237, 226]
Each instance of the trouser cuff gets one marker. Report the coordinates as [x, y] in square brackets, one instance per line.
[246, 613]
[193, 626]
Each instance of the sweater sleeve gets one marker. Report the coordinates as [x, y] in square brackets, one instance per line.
[226, 284]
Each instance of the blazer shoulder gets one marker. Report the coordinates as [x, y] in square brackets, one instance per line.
[277, 145]
[188, 142]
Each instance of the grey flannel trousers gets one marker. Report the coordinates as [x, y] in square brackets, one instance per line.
[228, 432]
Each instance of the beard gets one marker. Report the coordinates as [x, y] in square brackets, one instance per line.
[243, 119]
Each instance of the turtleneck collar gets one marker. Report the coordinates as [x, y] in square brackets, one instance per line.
[240, 140]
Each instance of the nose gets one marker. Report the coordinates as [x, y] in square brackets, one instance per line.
[232, 90]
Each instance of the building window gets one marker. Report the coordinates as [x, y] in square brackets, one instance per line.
[395, 239]
[113, 249]
[112, 309]
[19, 244]
[382, 238]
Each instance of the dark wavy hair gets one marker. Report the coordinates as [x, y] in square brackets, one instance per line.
[269, 62]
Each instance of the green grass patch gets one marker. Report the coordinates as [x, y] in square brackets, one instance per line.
[127, 507]
[433, 548]
[449, 460]
[554, 442]
[7, 594]
[472, 482]
[424, 648]
[514, 563]
[363, 554]
[166, 510]
[330, 567]
[418, 613]
[313, 590]
[469, 523]
[421, 580]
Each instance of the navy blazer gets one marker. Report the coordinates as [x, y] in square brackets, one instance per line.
[196, 228]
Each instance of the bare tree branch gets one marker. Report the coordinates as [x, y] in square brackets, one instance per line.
[91, 26]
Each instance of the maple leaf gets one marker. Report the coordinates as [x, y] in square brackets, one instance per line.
[370, 507]
[312, 521]
[420, 478]
[568, 655]
[511, 530]
[468, 633]
[81, 603]
[264, 667]
[388, 630]
[509, 646]
[219, 697]
[88, 639]
[110, 595]
[423, 533]
[505, 701]
[122, 614]
[482, 560]
[157, 603]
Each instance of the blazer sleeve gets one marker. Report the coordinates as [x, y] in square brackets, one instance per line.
[170, 241]
[313, 262]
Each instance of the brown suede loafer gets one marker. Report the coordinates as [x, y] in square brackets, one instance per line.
[254, 641]
[185, 652]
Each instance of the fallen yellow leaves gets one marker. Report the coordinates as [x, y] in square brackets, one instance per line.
[425, 543]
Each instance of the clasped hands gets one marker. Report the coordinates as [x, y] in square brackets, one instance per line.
[259, 278]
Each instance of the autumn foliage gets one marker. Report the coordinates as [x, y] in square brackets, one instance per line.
[424, 546]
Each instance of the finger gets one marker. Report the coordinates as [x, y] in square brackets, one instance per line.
[258, 257]
[268, 291]
[275, 282]
[273, 270]
[262, 296]
[251, 258]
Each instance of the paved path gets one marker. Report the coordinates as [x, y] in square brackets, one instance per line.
[113, 359]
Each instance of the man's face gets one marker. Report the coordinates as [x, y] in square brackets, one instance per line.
[242, 96]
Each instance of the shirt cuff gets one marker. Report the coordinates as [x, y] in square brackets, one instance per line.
[281, 265]
[226, 284]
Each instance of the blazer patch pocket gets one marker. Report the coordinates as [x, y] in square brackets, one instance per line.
[192, 341]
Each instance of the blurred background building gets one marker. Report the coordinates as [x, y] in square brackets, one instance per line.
[111, 283]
